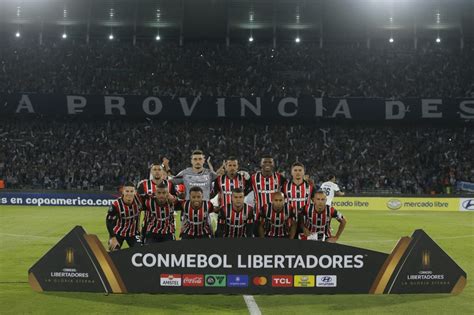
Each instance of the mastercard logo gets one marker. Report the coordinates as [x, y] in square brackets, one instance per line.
[260, 280]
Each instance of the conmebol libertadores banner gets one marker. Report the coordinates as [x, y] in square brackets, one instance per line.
[79, 262]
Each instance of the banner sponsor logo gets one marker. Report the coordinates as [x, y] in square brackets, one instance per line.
[466, 204]
[190, 280]
[71, 270]
[260, 281]
[425, 275]
[237, 281]
[69, 257]
[342, 203]
[326, 281]
[400, 203]
[394, 204]
[55, 199]
[304, 281]
[285, 281]
[69, 273]
[170, 280]
[215, 280]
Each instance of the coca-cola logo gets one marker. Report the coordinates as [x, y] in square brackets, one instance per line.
[190, 280]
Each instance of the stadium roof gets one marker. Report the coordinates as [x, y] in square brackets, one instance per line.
[215, 19]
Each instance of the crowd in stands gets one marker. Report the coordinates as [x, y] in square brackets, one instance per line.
[101, 154]
[213, 69]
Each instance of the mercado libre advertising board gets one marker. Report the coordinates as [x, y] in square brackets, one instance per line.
[80, 263]
[340, 203]
[398, 203]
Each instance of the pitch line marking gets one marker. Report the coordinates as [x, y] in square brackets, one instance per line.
[252, 305]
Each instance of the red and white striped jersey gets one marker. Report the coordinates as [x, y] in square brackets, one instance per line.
[195, 222]
[233, 223]
[263, 188]
[147, 188]
[224, 186]
[125, 218]
[297, 195]
[277, 223]
[319, 223]
[160, 218]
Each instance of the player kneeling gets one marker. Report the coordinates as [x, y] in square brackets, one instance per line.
[123, 219]
[277, 219]
[160, 225]
[195, 216]
[315, 219]
[235, 218]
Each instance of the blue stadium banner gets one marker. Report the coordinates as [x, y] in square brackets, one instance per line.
[79, 262]
[23, 198]
[302, 108]
[465, 186]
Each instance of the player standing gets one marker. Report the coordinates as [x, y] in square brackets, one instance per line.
[298, 191]
[265, 182]
[331, 189]
[196, 176]
[147, 187]
[160, 224]
[224, 185]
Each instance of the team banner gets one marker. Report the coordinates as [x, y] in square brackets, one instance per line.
[301, 108]
[79, 262]
[396, 203]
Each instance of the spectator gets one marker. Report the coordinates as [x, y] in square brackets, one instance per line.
[165, 69]
[75, 154]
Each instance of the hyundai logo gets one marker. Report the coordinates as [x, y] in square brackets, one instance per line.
[326, 279]
[468, 204]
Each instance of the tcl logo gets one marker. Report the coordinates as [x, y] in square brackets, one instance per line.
[282, 281]
[193, 280]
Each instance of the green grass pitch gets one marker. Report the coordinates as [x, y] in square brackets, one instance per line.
[26, 233]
